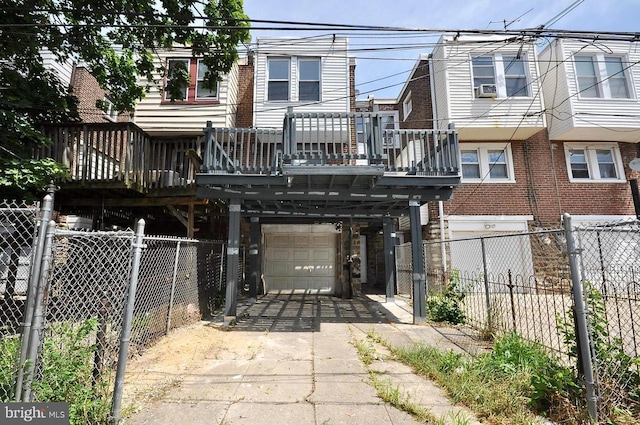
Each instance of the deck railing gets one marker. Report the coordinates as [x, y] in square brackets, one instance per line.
[121, 153]
[331, 139]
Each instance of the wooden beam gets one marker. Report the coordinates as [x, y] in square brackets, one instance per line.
[162, 201]
[190, 220]
[177, 214]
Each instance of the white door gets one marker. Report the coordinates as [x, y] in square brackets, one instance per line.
[300, 262]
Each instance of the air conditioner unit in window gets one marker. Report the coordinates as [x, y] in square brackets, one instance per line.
[487, 90]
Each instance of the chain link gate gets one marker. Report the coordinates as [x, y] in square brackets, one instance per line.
[18, 224]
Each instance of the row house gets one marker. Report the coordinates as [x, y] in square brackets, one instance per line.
[278, 156]
[541, 134]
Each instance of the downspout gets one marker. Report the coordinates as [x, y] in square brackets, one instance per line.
[434, 114]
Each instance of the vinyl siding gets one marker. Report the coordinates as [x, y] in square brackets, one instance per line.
[440, 87]
[555, 90]
[334, 77]
[62, 70]
[598, 118]
[154, 117]
[453, 76]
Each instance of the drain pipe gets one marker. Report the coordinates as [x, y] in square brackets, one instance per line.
[434, 114]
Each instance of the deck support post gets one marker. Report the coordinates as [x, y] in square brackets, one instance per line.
[389, 234]
[419, 278]
[254, 258]
[233, 262]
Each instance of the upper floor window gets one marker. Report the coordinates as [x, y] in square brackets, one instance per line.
[108, 110]
[278, 86]
[601, 76]
[201, 91]
[407, 106]
[388, 120]
[588, 162]
[489, 71]
[515, 76]
[309, 79]
[193, 89]
[486, 162]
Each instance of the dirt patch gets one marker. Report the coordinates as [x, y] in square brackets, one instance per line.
[163, 366]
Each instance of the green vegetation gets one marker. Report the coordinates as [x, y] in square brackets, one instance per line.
[618, 374]
[446, 307]
[66, 373]
[512, 385]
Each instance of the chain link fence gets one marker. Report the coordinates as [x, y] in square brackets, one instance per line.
[18, 221]
[77, 305]
[524, 283]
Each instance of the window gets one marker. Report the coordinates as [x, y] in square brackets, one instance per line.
[109, 111]
[278, 86]
[490, 162]
[173, 65]
[498, 68]
[388, 121]
[407, 106]
[514, 76]
[601, 76]
[193, 91]
[588, 162]
[201, 91]
[309, 79]
[483, 71]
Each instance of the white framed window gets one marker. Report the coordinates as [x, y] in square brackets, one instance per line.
[388, 121]
[278, 80]
[407, 106]
[486, 162]
[201, 91]
[508, 73]
[309, 79]
[587, 162]
[172, 64]
[109, 111]
[601, 76]
[193, 91]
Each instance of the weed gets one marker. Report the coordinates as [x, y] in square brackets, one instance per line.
[365, 351]
[617, 373]
[446, 307]
[503, 387]
[392, 395]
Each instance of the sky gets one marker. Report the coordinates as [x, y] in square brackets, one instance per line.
[381, 73]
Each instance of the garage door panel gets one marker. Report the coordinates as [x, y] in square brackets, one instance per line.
[300, 262]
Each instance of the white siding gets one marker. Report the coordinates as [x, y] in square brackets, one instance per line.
[483, 117]
[334, 77]
[555, 90]
[62, 70]
[441, 88]
[154, 117]
[580, 118]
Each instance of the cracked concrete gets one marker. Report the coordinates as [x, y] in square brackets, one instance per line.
[300, 367]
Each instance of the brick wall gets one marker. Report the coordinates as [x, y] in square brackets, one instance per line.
[421, 112]
[542, 188]
[85, 87]
[244, 115]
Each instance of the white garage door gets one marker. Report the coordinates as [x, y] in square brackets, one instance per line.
[300, 262]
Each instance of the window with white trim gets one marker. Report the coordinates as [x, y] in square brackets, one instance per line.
[493, 69]
[278, 82]
[486, 162]
[594, 161]
[601, 76]
[309, 79]
[108, 110]
[193, 91]
[407, 106]
[201, 91]
[172, 65]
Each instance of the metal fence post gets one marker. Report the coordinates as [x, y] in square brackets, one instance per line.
[173, 287]
[38, 311]
[486, 284]
[582, 331]
[126, 324]
[34, 279]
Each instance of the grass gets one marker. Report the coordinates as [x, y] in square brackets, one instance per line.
[511, 385]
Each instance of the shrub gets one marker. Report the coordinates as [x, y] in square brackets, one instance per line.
[446, 307]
